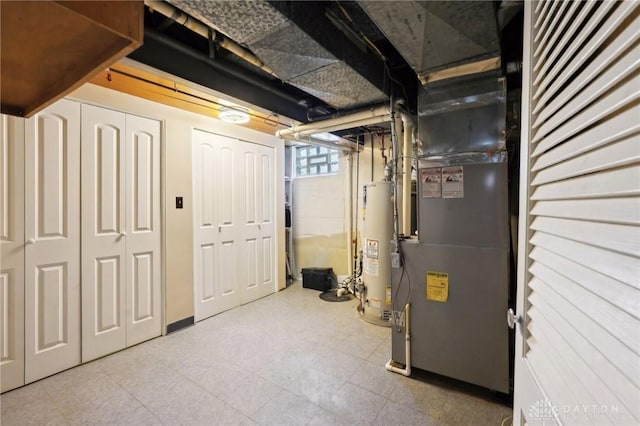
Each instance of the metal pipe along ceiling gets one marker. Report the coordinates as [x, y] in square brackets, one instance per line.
[256, 81]
[198, 27]
[380, 114]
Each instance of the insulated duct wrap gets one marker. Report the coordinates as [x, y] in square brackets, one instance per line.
[434, 35]
[283, 46]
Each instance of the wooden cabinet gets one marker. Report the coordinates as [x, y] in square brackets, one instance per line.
[50, 48]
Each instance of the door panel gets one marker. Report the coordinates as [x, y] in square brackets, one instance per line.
[11, 252]
[108, 197]
[107, 301]
[229, 185]
[142, 288]
[268, 272]
[226, 179]
[251, 268]
[267, 227]
[103, 232]
[227, 277]
[251, 175]
[205, 235]
[209, 268]
[257, 221]
[52, 231]
[51, 286]
[215, 240]
[143, 242]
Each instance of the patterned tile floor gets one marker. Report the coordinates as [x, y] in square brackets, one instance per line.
[289, 358]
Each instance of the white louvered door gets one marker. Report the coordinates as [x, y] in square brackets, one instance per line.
[578, 342]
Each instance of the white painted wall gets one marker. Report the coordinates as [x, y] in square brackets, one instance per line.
[321, 210]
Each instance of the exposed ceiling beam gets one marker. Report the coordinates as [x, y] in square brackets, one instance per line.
[166, 54]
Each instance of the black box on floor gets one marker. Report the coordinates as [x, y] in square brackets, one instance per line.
[318, 278]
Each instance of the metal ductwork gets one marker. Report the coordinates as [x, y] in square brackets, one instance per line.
[436, 35]
[325, 68]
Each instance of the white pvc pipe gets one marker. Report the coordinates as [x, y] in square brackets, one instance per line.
[406, 371]
[349, 202]
[406, 175]
[339, 123]
[200, 28]
[343, 144]
[342, 126]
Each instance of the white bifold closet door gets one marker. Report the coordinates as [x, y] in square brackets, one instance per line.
[257, 222]
[52, 240]
[11, 252]
[216, 191]
[234, 244]
[120, 231]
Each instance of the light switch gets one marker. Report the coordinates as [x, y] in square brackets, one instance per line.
[179, 202]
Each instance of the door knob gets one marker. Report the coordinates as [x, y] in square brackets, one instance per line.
[31, 241]
[512, 318]
[123, 234]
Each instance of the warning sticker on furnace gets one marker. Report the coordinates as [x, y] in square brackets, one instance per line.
[453, 182]
[431, 182]
[437, 286]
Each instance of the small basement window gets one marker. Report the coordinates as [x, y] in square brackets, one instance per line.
[316, 160]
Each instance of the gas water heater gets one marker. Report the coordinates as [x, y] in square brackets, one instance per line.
[376, 240]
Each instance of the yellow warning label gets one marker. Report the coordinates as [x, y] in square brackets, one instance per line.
[437, 286]
[387, 299]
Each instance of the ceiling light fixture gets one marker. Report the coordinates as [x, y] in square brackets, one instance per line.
[234, 115]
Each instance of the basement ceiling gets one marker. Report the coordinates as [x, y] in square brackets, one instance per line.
[328, 58]
[295, 56]
[435, 35]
